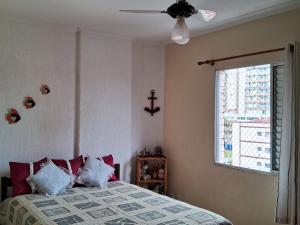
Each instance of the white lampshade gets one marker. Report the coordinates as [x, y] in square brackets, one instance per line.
[180, 32]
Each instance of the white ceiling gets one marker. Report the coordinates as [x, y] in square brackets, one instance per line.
[104, 15]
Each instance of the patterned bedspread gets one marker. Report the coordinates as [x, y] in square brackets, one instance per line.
[119, 203]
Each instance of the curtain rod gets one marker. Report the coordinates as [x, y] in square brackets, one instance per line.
[213, 61]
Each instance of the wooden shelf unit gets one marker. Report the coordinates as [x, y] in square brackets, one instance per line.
[140, 160]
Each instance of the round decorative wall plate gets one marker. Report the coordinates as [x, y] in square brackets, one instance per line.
[28, 102]
[45, 90]
[12, 116]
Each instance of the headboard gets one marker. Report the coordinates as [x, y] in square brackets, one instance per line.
[6, 182]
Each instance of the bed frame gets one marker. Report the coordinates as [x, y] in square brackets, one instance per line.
[6, 183]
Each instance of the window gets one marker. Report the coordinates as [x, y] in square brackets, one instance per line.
[267, 134]
[248, 117]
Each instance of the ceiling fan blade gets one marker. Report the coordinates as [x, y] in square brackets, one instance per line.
[143, 11]
[207, 15]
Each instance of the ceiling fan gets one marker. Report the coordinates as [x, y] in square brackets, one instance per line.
[180, 11]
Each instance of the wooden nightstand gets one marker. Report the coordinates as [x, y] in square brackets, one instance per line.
[155, 178]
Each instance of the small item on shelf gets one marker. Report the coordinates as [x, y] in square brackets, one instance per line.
[154, 174]
[161, 174]
[145, 152]
[142, 153]
[156, 189]
[158, 151]
[161, 188]
[145, 172]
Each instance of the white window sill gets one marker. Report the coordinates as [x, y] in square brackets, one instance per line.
[271, 173]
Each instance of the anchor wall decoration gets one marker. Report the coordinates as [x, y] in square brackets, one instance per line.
[152, 110]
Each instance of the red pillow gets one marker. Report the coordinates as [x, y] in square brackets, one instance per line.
[113, 177]
[19, 172]
[76, 164]
[109, 160]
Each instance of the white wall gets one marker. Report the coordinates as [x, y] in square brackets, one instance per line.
[148, 74]
[116, 79]
[106, 73]
[31, 55]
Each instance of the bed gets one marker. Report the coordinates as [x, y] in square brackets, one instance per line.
[118, 203]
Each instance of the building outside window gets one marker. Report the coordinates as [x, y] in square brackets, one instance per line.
[244, 117]
[267, 134]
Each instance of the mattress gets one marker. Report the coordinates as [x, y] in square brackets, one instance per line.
[119, 203]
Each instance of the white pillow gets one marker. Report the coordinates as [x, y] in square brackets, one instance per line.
[50, 179]
[95, 173]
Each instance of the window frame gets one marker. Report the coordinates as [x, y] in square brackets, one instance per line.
[216, 120]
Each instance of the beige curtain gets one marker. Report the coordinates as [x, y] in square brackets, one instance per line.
[288, 200]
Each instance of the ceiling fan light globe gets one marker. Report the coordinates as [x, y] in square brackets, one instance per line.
[181, 32]
[180, 40]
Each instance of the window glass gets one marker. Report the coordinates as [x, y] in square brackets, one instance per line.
[243, 117]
